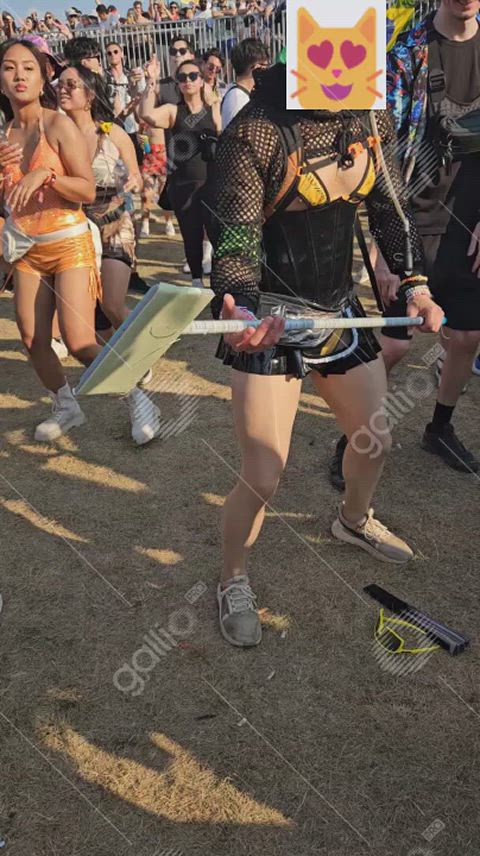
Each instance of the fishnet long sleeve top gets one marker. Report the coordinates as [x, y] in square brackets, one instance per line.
[250, 167]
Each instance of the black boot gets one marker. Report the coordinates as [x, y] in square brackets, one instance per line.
[335, 464]
[445, 443]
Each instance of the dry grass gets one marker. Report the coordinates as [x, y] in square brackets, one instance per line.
[304, 746]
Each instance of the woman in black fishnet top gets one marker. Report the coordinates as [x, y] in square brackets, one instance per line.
[285, 248]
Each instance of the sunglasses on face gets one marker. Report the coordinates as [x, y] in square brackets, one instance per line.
[215, 68]
[112, 53]
[191, 75]
[177, 51]
[69, 85]
[96, 56]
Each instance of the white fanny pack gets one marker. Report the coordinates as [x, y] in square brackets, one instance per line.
[16, 243]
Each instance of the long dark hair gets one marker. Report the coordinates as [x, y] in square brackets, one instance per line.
[101, 107]
[199, 68]
[48, 99]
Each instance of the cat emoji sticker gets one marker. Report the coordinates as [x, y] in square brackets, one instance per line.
[336, 55]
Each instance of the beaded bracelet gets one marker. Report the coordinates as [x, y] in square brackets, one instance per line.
[416, 290]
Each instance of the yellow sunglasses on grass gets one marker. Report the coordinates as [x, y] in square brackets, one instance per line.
[387, 634]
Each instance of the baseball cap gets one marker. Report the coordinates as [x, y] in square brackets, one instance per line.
[72, 11]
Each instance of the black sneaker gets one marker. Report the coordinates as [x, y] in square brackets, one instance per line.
[335, 465]
[446, 444]
[137, 284]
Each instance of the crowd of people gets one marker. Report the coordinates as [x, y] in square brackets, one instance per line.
[266, 203]
[107, 17]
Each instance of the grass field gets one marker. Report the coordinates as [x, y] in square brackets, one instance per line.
[307, 746]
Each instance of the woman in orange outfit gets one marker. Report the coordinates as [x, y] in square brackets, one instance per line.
[46, 235]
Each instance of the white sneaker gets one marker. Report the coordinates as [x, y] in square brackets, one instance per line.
[169, 229]
[145, 228]
[198, 283]
[60, 348]
[144, 416]
[207, 258]
[146, 379]
[186, 267]
[66, 414]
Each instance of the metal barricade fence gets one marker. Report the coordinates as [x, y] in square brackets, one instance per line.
[141, 41]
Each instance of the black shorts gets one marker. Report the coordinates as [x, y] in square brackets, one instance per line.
[453, 285]
[288, 360]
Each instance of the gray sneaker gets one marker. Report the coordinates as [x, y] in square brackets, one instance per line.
[237, 608]
[374, 537]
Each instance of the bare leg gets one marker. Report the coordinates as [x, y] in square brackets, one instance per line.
[264, 410]
[393, 351]
[34, 308]
[55, 328]
[76, 314]
[356, 399]
[461, 347]
[115, 280]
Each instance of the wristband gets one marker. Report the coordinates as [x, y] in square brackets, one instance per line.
[416, 278]
[416, 291]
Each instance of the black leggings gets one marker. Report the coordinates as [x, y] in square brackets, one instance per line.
[187, 201]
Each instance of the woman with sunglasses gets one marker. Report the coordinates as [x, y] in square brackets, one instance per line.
[81, 95]
[174, 11]
[49, 242]
[193, 127]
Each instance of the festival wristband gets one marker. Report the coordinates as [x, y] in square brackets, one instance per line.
[417, 278]
[417, 291]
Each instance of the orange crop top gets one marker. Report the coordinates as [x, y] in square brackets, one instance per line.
[50, 212]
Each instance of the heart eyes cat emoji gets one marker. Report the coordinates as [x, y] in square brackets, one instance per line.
[336, 66]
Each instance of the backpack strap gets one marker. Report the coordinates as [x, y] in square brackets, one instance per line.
[292, 145]
[368, 264]
[436, 75]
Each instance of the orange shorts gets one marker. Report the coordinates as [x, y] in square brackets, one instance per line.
[60, 256]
